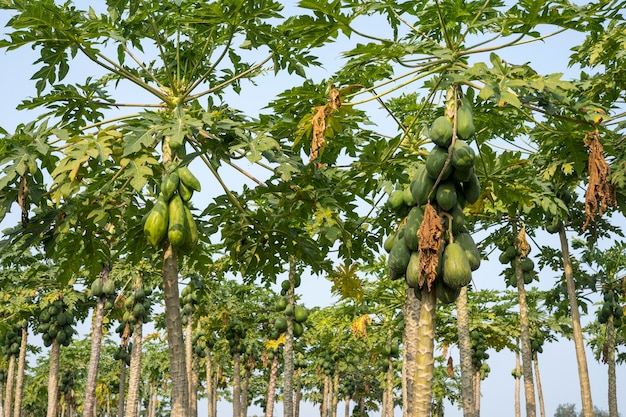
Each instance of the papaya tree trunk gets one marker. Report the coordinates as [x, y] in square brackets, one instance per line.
[134, 380]
[121, 398]
[388, 406]
[245, 387]
[8, 396]
[518, 375]
[21, 369]
[173, 323]
[193, 393]
[465, 350]
[542, 407]
[209, 382]
[189, 359]
[271, 387]
[89, 404]
[326, 397]
[297, 394]
[610, 360]
[152, 402]
[476, 392]
[53, 379]
[425, 360]
[334, 399]
[1, 397]
[288, 347]
[527, 358]
[346, 410]
[236, 384]
[411, 310]
[581, 358]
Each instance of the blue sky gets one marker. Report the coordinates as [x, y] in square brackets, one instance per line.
[558, 363]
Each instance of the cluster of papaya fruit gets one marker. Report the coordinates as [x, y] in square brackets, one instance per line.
[188, 301]
[235, 334]
[612, 306]
[508, 256]
[297, 312]
[137, 306]
[171, 216]
[104, 289]
[200, 342]
[390, 349]
[448, 183]
[537, 339]
[67, 382]
[55, 322]
[11, 342]
[123, 353]
[479, 348]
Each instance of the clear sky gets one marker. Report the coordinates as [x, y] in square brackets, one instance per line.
[559, 376]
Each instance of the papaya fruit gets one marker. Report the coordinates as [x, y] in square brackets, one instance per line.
[280, 324]
[388, 243]
[156, 222]
[471, 189]
[398, 259]
[298, 329]
[109, 287]
[407, 197]
[441, 131]
[458, 219]
[446, 195]
[177, 228]
[527, 265]
[300, 314]
[421, 186]
[187, 178]
[170, 185]
[462, 175]
[464, 122]
[445, 293]
[396, 199]
[436, 163]
[185, 192]
[471, 250]
[412, 274]
[413, 222]
[457, 272]
[463, 156]
[191, 234]
[96, 287]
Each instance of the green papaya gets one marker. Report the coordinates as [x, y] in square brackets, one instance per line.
[187, 178]
[458, 219]
[445, 293]
[471, 189]
[407, 197]
[463, 156]
[191, 234]
[170, 185]
[436, 163]
[156, 222]
[396, 199]
[177, 227]
[471, 250]
[446, 195]
[421, 186]
[280, 324]
[96, 287]
[298, 329]
[441, 131]
[412, 274]
[464, 122]
[300, 314]
[456, 267]
[388, 243]
[185, 192]
[527, 265]
[413, 222]
[398, 259]
[109, 287]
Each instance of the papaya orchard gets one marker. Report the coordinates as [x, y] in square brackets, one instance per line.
[471, 154]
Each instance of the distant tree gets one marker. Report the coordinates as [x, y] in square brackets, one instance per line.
[569, 410]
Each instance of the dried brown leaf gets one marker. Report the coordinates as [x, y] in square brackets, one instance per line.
[600, 193]
[430, 240]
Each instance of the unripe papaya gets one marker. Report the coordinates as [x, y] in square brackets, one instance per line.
[191, 234]
[155, 225]
[169, 186]
[96, 287]
[464, 122]
[441, 131]
[185, 192]
[457, 271]
[187, 178]
[177, 227]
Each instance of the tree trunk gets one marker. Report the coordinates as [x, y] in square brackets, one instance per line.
[297, 394]
[465, 350]
[518, 373]
[8, 396]
[215, 385]
[334, 394]
[425, 360]
[245, 387]
[176, 346]
[288, 347]
[325, 397]
[1, 397]
[21, 369]
[89, 405]
[134, 380]
[121, 398]
[193, 399]
[388, 406]
[189, 359]
[236, 384]
[527, 358]
[581, 358]
[610, 360]
[476, 392]
[209, 382]
[542, 407]
[271, 387]
[53, 378]
[346, 411]
[152, 401]
[411, 312]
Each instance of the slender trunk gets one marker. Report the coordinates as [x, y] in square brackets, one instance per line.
[288, 347]
[410, 311]
[245, 389]
[581, 358]
[89, 405]
[610, 360]
[1, 397]
[334, 395]
[388, 406]
[152, 401]
[236, 384]
[8, 396]
[527, 359]
[271, 387]
[326, 389]
[542, 408]
[189, 363]
[53, 378]
[518, 375]
[21, 369]
[209, 382]
[214, 395]
[425, 360]
[134, 380]
[346, 411]
[176, 346]
[297, 394]
[476, 392]
[465, 350]
[121, 398]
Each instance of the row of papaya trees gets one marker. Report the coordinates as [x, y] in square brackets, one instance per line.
[131, 165]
